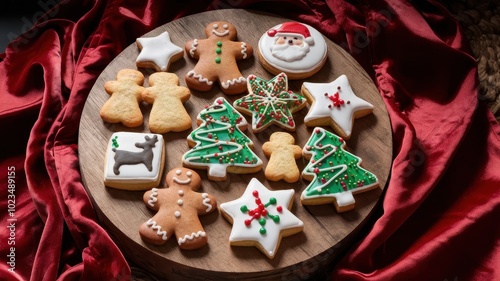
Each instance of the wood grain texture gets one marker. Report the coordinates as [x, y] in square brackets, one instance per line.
[326, 233]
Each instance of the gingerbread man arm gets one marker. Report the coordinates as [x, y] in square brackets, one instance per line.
[244, 51]
[206, 203]
[111, 86]
[150, 198]
[191, 48]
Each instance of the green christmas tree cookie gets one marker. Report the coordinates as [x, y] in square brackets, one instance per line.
[335, 174]
[219, 145]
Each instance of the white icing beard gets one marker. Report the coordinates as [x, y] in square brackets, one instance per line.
[288, 52]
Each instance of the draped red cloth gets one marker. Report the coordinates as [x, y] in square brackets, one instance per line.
[438, 218]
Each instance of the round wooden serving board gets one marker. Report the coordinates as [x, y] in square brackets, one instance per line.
[326, 232]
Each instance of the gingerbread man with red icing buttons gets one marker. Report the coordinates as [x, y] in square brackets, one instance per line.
[178, 207]
[217, 56]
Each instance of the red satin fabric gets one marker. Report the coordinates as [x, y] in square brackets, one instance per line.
[439, 215]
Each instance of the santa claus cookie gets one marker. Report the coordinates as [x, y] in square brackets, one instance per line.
[217, 56]
[294, 48]
[178, 207]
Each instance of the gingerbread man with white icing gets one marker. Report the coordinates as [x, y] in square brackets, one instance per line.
[217, 56]
[178, 207]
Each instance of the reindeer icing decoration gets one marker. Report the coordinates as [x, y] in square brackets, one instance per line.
[134, 161]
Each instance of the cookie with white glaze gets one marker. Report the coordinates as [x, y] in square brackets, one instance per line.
[261, 218]
[134, 161]
[334, 104]
[294, 48]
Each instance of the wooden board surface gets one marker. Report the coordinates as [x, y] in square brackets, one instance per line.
[326, 232]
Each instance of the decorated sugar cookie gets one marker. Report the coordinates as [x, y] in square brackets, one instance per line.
[294, 48]
[217, 56]
[334, 104]
[219, 145]
[178, 207]
[334, 173]
[157, 52]
[270, 102]
[261, 218]
[134, 161]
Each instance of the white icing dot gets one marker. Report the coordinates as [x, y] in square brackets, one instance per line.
[180, 192]
[177, 214]
[180, 202]
[225, 26]
[215, 26]
[189, 174]
[178, 172]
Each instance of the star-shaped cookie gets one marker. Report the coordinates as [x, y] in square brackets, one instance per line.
[334, 104]
[261, 217]
[157, 52]
[270, 102]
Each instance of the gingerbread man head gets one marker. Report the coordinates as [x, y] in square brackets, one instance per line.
[221, 29]
[178, 207]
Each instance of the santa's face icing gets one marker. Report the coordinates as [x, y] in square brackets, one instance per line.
[289, 49]
[289, 40]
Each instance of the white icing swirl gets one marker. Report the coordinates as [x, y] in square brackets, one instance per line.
[193, 235]
[194, 46]
[152, 197]
[244, 49]
[206, 202]
[151, 223]
[226, 85]
[199, 77]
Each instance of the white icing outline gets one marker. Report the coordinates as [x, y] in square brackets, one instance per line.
[316, 55]
[152, 224]
[186, 237]
[200, 78]
[269, 241]
[343, 116]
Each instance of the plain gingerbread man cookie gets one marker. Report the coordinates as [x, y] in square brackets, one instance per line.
[123, 105]
[217, 56]
[178, 207]
[282, 152]
[167, 97]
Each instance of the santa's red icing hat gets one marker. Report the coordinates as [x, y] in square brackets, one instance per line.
[294, 29]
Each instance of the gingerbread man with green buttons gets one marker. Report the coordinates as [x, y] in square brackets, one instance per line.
[217, 56]
[178, 207]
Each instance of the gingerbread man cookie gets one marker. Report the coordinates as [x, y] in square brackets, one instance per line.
[168, 112]
[178, 207]
[282, 152]
[123, 105]
[217, 56]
